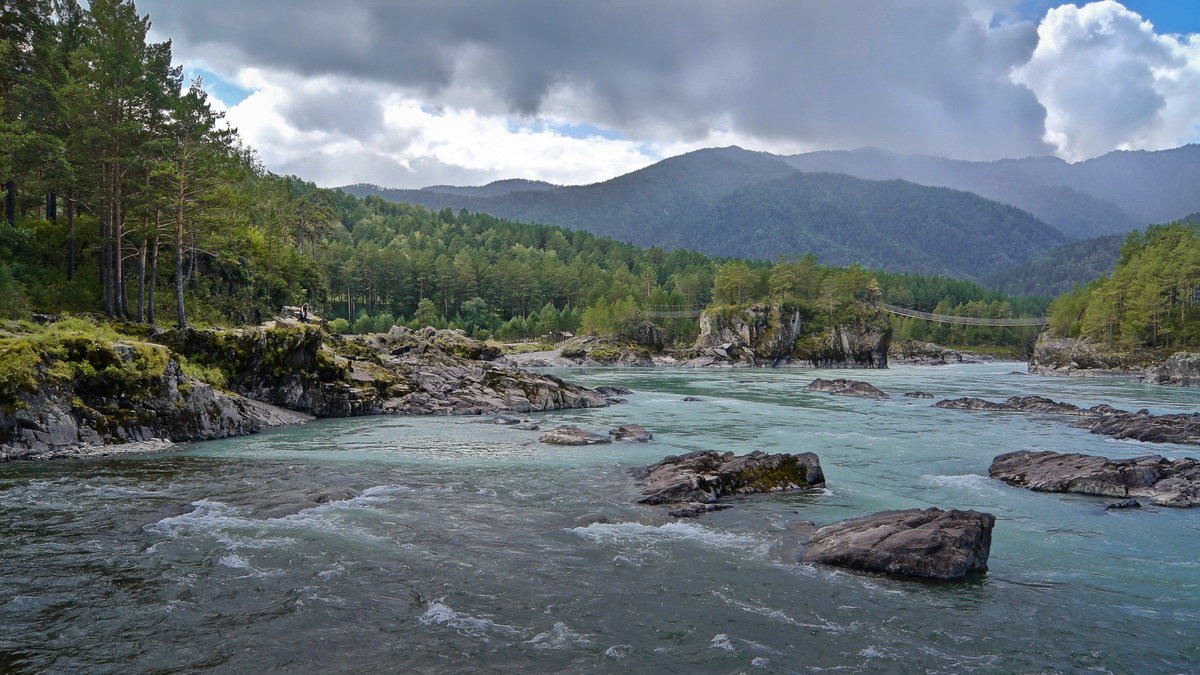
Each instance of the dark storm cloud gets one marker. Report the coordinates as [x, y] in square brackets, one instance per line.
[910, 75]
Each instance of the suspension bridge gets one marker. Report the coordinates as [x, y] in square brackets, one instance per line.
[693, 311]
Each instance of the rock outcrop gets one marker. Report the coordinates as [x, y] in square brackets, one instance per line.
[918, 394]
[776, 335]
[928, 543]
[1142, 426]
[1165, 482]
[917, 353]
[842, 387]
[1079, 357]
[1181, 369]
[704, 476]
[88, 392]
[568, 434]
[79, 390]
[1031, 404]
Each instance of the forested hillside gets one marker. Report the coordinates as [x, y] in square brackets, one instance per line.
[1150, 299]
[130, 197]
[1060, 270]
[730, 201]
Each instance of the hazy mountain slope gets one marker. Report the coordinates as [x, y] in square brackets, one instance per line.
[1060, 270]
[1075, 213]
[730, 201]
[892, 225]
[1118, 192]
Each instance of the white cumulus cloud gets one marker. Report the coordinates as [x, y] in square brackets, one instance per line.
[1109, 81]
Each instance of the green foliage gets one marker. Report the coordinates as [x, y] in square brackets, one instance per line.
[1150, 299]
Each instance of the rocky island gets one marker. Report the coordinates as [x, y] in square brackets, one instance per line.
[74, 386]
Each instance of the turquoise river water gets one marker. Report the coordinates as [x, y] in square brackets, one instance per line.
[467, 546]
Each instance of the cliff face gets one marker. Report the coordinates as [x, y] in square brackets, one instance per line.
[778, 335]
[64, 393]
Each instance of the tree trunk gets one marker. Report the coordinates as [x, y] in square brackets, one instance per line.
[141, 297]
[180, 310]
[150, 296]
[70, 234]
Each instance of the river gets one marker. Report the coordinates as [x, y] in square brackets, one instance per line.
[468, 546]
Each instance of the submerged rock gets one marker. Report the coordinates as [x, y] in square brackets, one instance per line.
[691, 399]
[631, 432]
[1166, 482]
[694, 510]
[1142, 426]
[929, 543]
[704, 476]
[612, 390]
[572, 435]
[918, 394]
[1035, 404]
[843, 387]
[505, 420]
[1124, 504]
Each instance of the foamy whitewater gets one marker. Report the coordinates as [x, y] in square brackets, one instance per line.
[401, 543]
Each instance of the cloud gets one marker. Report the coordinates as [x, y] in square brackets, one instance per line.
[1109, 81]
[410, 92]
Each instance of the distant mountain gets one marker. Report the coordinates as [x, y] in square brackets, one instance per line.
[1118, 192]
[733, 202]
[891, 225]
[1060, 270]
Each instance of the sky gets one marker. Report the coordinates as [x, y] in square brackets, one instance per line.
[410, 93]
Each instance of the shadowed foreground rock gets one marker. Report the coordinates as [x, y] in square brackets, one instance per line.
[1165, 482]
[704, 476]
[929, 543]
[572, 435]
[842, 387]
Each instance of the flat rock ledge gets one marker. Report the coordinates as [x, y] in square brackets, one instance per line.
[1165, 482]
[569, 434]
[1142, 426]
[691, 482]
[925, 543]
[843, 387]
[1034, 404]
[1183, 428]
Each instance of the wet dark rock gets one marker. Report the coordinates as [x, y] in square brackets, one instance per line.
[928, 543]
[612, 390]
[843, 387]
[505, 420]
[1034, 404]
[918, 394]
[1124, 504]
[691, 398]
[573, 435]
[705, 476]
[631, 432]
[1142, 426]
[1166, 482]
[526, 426]
[694, 510]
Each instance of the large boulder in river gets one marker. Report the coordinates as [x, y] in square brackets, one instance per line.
[569, 434]
[631, 432]
[1181, 369]
[1079, 357]
[843, 387]
[705, 476]
[1166, 482]
[929, 543]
